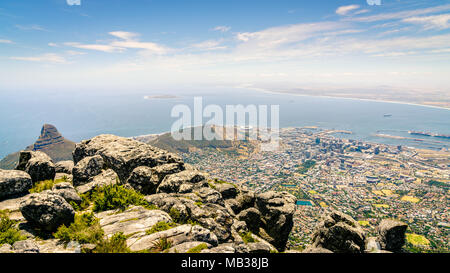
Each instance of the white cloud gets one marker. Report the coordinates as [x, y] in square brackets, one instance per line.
[6, 42]
[441, 21]
[124, 35]
[400, 14]
[344, 10]
[222, 28]
[52, 45]
[127, 40]
[209, 45]
[97, 47]
[46, 58]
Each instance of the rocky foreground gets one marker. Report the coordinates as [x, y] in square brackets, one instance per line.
[169, 206]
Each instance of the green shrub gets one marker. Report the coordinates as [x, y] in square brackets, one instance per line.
[198, 248]
[9, 234]
[116, 244]
[161, 245]
[85, 230]
[85, 203]
[199, 203]
[161, 226]
[117, 197]
[247, 237]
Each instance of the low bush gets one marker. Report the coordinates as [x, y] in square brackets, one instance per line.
[85, 230]
[117, 197]
[116, 244]
[198, 248]
[9, 234]
[161, 226]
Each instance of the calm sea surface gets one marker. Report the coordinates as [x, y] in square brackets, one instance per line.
[84, 115]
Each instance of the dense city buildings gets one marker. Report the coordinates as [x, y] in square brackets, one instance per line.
[368, 181]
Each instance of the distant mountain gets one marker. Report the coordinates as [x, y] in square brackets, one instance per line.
[167, 142]
[50, 142]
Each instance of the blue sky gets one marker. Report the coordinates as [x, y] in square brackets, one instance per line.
[145, 45]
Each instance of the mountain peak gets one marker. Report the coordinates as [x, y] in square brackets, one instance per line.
[49, 136]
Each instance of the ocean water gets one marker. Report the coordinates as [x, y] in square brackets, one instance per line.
[82, 115]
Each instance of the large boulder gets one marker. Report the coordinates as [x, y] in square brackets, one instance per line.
[277, 211]
[64, 166]
[37, 164]
[391, 234]
[68, 192]
[14, 183]
[123, 155]
[143, 180]
[339, 233]
[183, 182]
[252, 218]
[105, 178]
[87, 168]
[47, 210]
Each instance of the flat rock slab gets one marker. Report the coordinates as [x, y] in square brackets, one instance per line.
[176, 236]
[185, 247]
[133, 221]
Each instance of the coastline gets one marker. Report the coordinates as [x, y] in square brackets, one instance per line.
[348, 98]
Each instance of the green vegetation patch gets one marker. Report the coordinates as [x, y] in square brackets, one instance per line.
[161, 226]
[117, 197]
[116, 244]
[308, 164]
[9, 234]
[46, 185]
[417, 240]
[248, 238]
[198, 248]
[85, 229]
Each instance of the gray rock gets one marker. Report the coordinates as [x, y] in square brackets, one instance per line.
[311, 249]
[176, 236]
[64, 166]
[187, 246]
[339, 233]
[252, 218]
[6, 248]
[135, 220]
[123, 155]
[14, 183]
[64, 176]
[227, 191]
[223, 248]
[209, 195]
[144, 180]
[105, 178]
[37, 164]
[87, 168]
[277, 210]
[67, 191]
[26, 246]
[183, 182]
[47, 210]
[391, 234]
[246, 199]
[372, 246]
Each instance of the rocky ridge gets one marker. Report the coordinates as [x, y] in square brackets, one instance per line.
[181, 210]
[201, 213]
